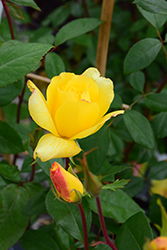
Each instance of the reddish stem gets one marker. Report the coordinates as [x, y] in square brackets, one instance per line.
[84, 226]
[32, 172]
[20, 103]
[101, 218]
[8, 18]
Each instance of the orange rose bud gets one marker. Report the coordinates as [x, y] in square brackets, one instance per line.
[68, 187]
[159, 243]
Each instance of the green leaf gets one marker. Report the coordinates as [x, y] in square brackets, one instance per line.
[13, 222]
[135, 186]
[102, 246]
[133, 233]
[15, 10]
[100, 142]
[153, 6]
[156, 102]
[53, 65]
[158, 171]
[11, 142]
[36, 205]
[139, 128]
[157, 20]
[76, 28]
[18, 60]
[115, 185]
[137, 80]
[141, 55]
[33, 188]
[115, 169]
[3, 182]
[117, 205]
[63, 240]
[37, 240]
[10, 172]
[159, 125]
[57, 16]
[67, 215]
[10, 92]
[29, 3]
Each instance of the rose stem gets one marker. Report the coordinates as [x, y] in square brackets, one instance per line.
[84, 226]
[104, 33]
[101, 218]
[32, 172]
[8, 18]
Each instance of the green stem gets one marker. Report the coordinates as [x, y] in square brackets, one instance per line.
[8, 18]
[84, 226]
[101, 218]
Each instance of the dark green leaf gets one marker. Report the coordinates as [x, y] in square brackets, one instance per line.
[13, 222]
[9, 93]
[159, 125]
[57, 16]
[157, 20]
[67, 215]
[63, 240]
[141, 55]
[18, 60]
[36, 205]
[3, 182]
[156, 102]
[10, 140]
[153, 6]
[117, 102]
[33, 188]
[102, 246]
[135, 186]
[100, 142]
[139, 128]
[133, 233]
[115, 185]
[29, 3]
[158, 171]
[115, 169]
[137, 80]
[117, 205]
[53, 65]
[38, 240]
[76, 28]
[10, 172]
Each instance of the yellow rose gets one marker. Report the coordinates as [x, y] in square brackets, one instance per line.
[66, 184]
[159, 243]
[75, 108]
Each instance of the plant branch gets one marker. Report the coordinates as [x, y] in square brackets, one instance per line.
[32, 172]
[20, 103]
[101, 218]
[8, 18]
[41, 78]
[84, 226]
[104, 33]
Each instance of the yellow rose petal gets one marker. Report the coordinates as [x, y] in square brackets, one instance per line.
[56, 83]
[80, 84]
[38, 109]
[50, 147]
[72, 118]
[97, 126]
[106, 93]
